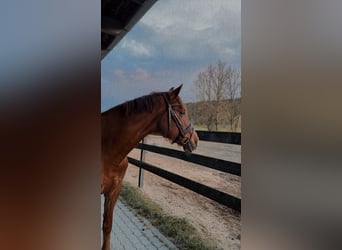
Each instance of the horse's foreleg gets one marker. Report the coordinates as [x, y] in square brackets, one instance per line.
[110, 200]
[111, 196]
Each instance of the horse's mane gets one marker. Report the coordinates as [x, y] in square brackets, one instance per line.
[142, 104]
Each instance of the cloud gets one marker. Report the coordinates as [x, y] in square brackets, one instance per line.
[171, 44]
[118, 73]
[137, 74]
[196, 32]
[141, 74]
[196, 29]
[192, 15]
[135, 48]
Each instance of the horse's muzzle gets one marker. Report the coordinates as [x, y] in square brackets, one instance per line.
[191, 144]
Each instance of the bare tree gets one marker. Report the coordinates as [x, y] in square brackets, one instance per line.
[233, 95]
[210, 88]
[220, 79]
[213, 86]
[206, 94]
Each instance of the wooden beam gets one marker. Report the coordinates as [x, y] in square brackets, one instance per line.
[209, 192]
[111, 26]
[213, 163]
[223, 137]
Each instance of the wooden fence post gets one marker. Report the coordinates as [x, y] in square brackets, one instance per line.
[141, 170]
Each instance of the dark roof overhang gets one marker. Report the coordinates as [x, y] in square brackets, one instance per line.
[117, 19]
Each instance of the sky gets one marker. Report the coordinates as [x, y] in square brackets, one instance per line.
[170, 45]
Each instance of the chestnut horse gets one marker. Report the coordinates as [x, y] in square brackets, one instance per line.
[124, 126]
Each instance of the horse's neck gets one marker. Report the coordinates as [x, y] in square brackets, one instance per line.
[125, 133]
[141, 125]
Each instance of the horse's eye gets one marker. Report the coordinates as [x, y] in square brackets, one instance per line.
[182, 112]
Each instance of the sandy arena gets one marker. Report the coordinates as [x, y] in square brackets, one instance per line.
[213, 221]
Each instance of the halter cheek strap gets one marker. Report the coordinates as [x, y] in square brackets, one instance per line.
[182, 134]
[182, 131]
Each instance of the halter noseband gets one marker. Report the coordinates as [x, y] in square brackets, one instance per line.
[179, 124]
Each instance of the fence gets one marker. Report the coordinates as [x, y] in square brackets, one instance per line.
[205, 161]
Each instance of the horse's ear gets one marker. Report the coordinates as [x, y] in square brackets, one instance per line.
[175, 92]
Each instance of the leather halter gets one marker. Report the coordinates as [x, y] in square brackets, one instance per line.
[182, 132]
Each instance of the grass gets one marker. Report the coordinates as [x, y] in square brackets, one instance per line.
[178, 230]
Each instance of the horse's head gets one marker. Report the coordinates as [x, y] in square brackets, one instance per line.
[175, 123]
